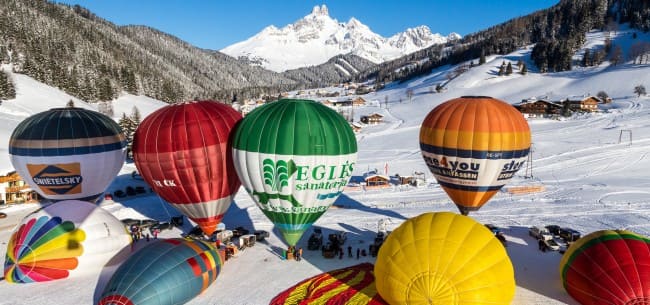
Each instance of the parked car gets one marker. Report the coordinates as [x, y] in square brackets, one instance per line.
[224, 236]
[569, 235]
[195, 232]
[554, 229]
[161, 226]
[239, 231]
[315, 240]
[551, 245]
[540, 233]
[338, 239]
[147, 223]
[130, 191]
[128, 222]
[176, 221]
[561, 243]
[260, 235]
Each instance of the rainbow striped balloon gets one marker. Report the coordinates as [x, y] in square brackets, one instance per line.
[63, 239]
[351, 285]
[473, 145]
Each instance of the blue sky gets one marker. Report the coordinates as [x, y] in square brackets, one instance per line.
[216, 24]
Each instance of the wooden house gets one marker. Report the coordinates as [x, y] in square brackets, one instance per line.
[14, 190]
[359, 101]
[356, 127]
[374, 118]
[377, 180]
[539, 108]
[587, 104]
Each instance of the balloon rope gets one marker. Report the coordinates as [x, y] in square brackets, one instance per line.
[163, 205]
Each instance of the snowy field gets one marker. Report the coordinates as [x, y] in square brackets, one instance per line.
[591, 181]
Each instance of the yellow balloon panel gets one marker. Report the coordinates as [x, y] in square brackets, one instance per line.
[444, 258]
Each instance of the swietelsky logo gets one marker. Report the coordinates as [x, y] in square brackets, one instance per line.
[57, 179]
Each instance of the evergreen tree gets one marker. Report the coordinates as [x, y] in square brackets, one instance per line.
[501, 70]
[524, 69]
[135, 117]
[7, 89]
[106, 90]
[482, 58]
[70, 104]
[586, 58]
[128, 128]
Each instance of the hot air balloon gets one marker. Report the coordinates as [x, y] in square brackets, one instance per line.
[345, 286]
[444, 258]
[608, 267]
[62, 240]
[473, 145]
[183, 152]
[68, 153]
[170, 271]
[294, 157]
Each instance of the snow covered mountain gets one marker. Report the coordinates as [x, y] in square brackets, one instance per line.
[317, 37]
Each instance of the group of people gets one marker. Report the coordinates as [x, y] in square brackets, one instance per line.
[293, 252]
[137, 234]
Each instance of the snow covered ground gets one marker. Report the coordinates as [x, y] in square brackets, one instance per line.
[592, 181]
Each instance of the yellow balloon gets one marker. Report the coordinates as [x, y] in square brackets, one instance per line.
[444, 258]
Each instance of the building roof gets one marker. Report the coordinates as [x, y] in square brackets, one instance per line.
[376, 176]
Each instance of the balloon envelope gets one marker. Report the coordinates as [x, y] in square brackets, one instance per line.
[350, 285]
[444, 258]
[608, 267]
[171, 271]
[183, 152]
[68, 153]
[473, 146]
[294, 157]
[64, 239]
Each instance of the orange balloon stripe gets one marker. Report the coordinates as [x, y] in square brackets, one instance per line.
[469, 140]
[469, 199]
[63, 264]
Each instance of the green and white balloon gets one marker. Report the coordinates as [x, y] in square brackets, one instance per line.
[294, 157]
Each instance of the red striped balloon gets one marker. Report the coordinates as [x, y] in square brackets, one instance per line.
[183, 151]
[608, 267]
[351, 285]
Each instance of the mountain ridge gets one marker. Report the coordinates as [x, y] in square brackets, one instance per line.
[317, 37]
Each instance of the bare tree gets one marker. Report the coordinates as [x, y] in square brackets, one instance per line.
[603, 96]
[617, 55]
[409, 94]
[639, 90]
